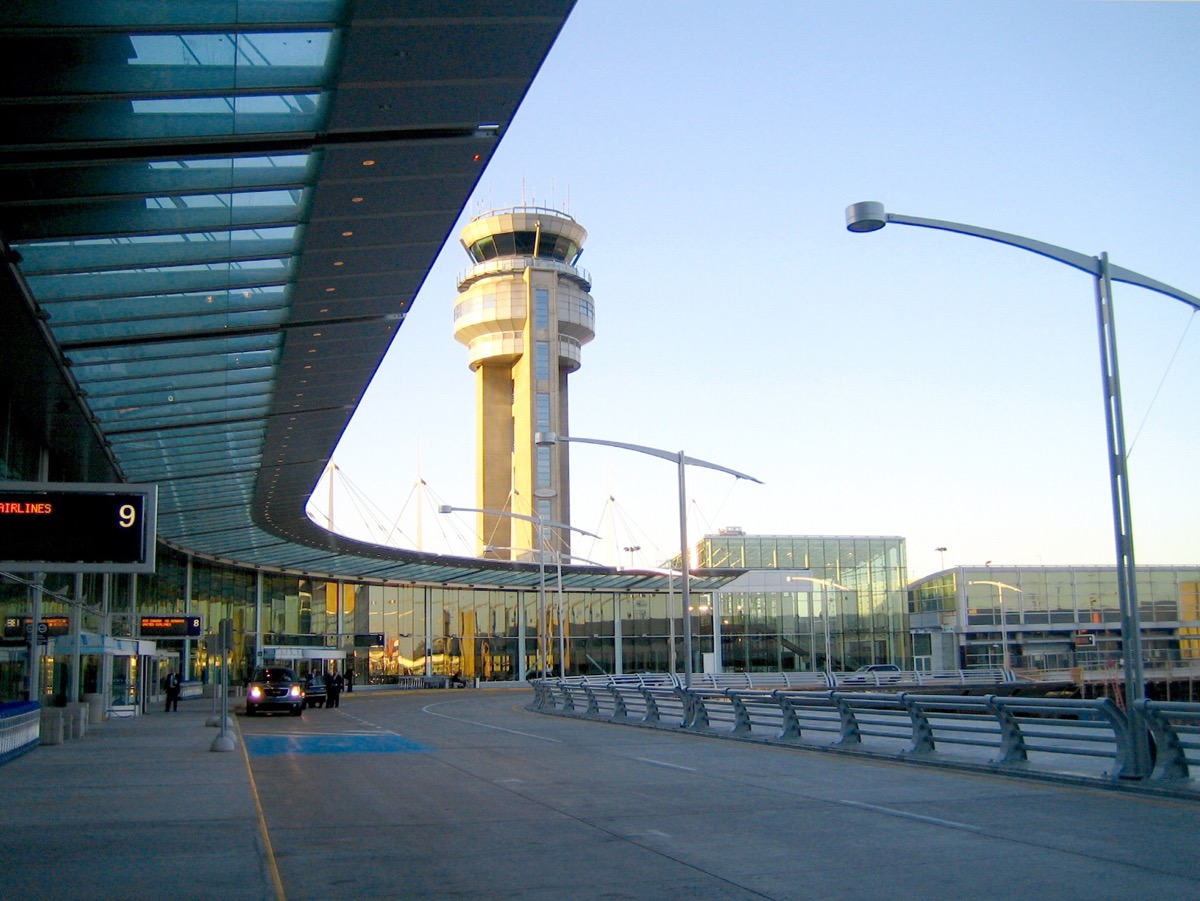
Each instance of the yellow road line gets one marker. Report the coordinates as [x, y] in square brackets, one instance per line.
[272, 866]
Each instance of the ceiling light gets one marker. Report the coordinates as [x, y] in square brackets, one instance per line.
[347, 234]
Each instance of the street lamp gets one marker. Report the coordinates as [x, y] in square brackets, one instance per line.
[826, 585]
[942, 551]
[541, 523]
[870, 216]
[549, 439]
[1000, 586]
[559, 556]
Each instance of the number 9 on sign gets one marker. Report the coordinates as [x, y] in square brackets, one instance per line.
[127, 515]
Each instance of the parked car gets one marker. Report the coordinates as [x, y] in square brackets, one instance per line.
[275, 688]
[874, 674]
[315, 693]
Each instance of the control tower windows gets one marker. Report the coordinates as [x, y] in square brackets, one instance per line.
[522, 243]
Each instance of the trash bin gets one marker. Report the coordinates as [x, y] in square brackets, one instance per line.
[77, 713]
[95, 702]
[52, 726]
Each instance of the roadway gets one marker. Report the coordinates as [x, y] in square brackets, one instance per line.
[462, 793]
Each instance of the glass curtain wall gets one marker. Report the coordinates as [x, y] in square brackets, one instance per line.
[857, 591]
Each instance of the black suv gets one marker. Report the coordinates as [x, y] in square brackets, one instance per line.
[315, 693]
[275, 688]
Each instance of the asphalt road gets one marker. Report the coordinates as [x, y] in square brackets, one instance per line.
[451, 794]
[457, 794]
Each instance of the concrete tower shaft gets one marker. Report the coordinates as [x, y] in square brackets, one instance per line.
[524, 312]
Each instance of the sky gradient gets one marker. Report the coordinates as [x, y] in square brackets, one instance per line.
[906, 382]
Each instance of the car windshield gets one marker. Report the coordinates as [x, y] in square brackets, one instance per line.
[274, 674]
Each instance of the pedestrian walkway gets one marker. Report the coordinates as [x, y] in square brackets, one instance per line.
[136, 808]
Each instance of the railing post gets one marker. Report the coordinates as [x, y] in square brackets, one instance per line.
[620, 712]
[851, 734]
[741, 716]
[791, 720]
[651, 707]
[922, 731]
[593, 706]
[1127, 748]
[1012, 741]
[1171, 761]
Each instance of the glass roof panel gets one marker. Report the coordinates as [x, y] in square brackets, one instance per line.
[118, 360]
[164, 326]
[165, 280]
[136, 251]
[167, 382]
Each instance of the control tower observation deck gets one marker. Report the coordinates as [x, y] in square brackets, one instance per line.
[524, 312]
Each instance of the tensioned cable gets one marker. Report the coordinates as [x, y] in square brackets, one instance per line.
[1162, 381]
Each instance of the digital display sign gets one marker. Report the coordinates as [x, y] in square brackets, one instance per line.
[21, 626]
[77, 527]
[171, 627]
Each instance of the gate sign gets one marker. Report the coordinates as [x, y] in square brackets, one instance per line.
[21, 626]
[77, 527]
[171, 627]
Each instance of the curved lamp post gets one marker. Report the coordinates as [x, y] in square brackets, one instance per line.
[541, 524]
[549, 439]
[870, 215]
[1000, 586]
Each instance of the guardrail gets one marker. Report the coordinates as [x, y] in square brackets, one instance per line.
[1088, 738]
[19, 728]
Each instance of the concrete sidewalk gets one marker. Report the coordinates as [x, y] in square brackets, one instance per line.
[136, 808]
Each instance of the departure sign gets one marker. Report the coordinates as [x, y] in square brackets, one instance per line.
[21, 626]
[77, 527]
[171, 627]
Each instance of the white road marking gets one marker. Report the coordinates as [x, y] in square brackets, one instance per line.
[673, 766]
[913, 816]
[459, 719]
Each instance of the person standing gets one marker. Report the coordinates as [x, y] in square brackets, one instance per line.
[333, 689]
[173, 685]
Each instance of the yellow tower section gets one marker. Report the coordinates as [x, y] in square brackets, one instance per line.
[524, 311]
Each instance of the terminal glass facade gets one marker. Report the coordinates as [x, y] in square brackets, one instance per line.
[842, 606]
[1053, 617]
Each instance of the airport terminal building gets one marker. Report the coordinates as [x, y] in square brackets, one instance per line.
[1051, 617]
[215, 218]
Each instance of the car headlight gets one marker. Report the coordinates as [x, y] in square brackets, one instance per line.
[255, 693]
[296, 692]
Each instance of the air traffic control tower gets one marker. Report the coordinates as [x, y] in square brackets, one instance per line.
[524, 312]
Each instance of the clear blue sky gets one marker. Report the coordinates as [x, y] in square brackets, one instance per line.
[906, 382]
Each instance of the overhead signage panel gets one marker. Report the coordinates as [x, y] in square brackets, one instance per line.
[77, 527]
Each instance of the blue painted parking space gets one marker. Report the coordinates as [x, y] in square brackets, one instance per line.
[296, 743]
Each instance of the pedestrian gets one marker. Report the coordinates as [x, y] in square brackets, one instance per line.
[350, 680]
[333, 688]
[172, 686]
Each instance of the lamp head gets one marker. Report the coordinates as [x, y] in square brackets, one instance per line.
[545, 439]
[866, 216]
[445, 508]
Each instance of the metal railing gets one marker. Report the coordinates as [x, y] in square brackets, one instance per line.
[1071, 737]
